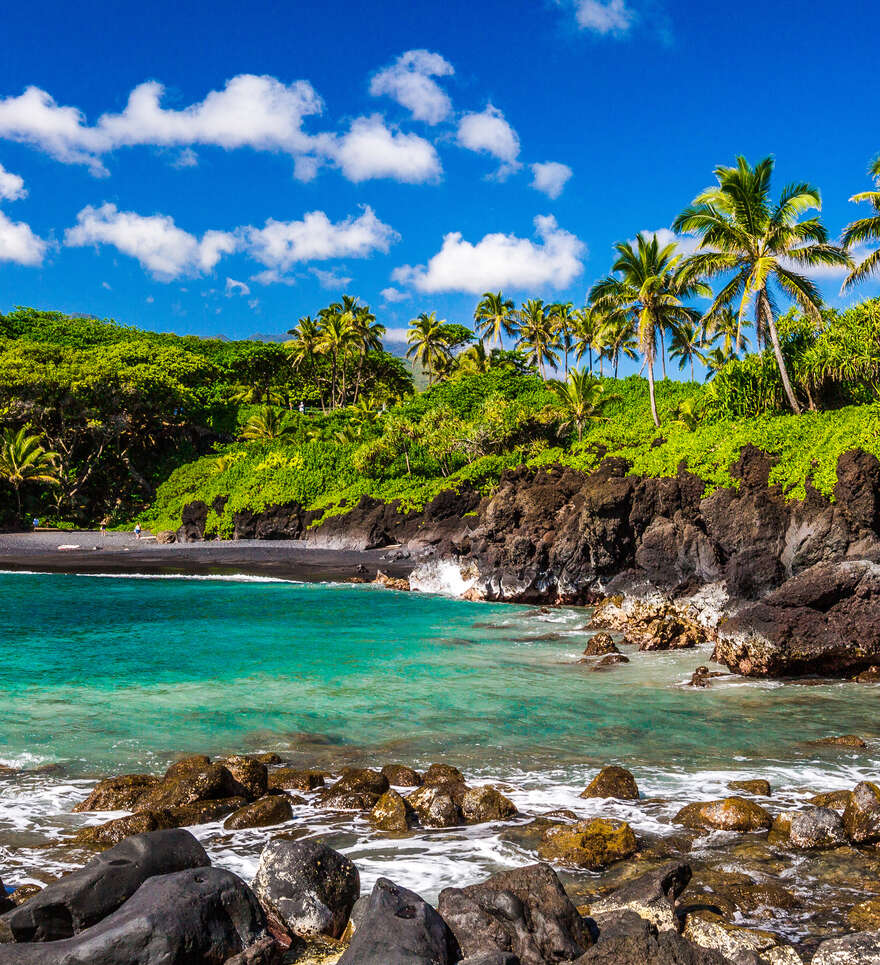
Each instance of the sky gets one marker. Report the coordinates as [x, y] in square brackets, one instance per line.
[227, 169]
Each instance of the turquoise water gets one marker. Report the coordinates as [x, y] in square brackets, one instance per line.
[103, 672]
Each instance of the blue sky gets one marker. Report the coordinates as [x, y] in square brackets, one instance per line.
[270, 151]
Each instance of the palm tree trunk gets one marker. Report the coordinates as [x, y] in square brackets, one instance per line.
[692, 368]
[18, 501]
[590, 356]
[651, 393]
[663, 350]
[777, 351]
[616, 363]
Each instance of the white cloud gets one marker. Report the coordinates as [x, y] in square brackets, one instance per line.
[822, 273]
[11, 186]
[488, 132]
[19, 244]
[281, 244]
[165, 250]
[272, 277]
[550, 177]
[150, 299]
[609, 17]
[500, 261]
[409, 81]
[392, 294]
[186, 159]
[370, 150]
[396, 334]
[106, 285]
[330, 279]
[234, 287]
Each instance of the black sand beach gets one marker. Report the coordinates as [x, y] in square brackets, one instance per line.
[89, 551]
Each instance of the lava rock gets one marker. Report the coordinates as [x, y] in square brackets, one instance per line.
[399, 928]
[295, 779]
[262, 813]
[200, 916]
[310, 886]
[435, 806]
[186, 785]
[639, 945]
[481, 804]
[399, 775]
[442, 774]
[112, 832]
[845, 740]
[249, 777]
[862, 948]
[861, 817]
[391, 813]
[524, 911]
[758, 786]
[836, 800]
[609, 661]
[591, 844]
[817, 828]
[729, 814]
[652, 896]
[612, 781]
[118, 793]
[599, 645]
[85, 897]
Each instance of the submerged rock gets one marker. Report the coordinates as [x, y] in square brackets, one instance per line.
[524, 911]
[612, 781]
[865, 916]
[591, 844]
[310, 886]
[729, 814]
[846, 740]
[758, 786]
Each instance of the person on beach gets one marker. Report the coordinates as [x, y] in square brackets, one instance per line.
[36, 523]
[302, 407]
[103, 528]
[137, 530]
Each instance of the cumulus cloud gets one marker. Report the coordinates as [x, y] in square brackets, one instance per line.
[392, 294]
[488, 132]
[11, 186]
[279, 245]
[409, 81]
[500, 261]
[550, 177]
[330, 279]
[608, 17]
[165, 250]
[19, 244]
[234, 287]
[370, 149]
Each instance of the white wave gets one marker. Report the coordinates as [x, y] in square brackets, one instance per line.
[211, 577]
[444, 577]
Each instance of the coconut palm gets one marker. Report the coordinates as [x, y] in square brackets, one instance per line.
[494, 317]
[618, 338]
[427, 344]
[368, 335]
[476, 360]
[723, 326]
[715, 360]
[337, 337]
[865, 229]
[582, 399]
[685, 345]
[537, 337]
[646, 288]
[23, 460]
[760, 243]
[562, 320]
[586, 323]
[267, 423]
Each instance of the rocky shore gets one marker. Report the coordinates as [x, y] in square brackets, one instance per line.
[739, 879]
[783, 588]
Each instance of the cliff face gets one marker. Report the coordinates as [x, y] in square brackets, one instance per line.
[560, 535]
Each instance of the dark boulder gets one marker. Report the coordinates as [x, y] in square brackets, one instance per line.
[524, 911]
[399, 928]
[652, 896]
[435, 806]
[399, 775]
[637, 944]
[438, 774]
[118, 793]
[249, 778]
[193, 519]
[295, 778]
[201, 916]
[391, 813]
[817, 828]
[206, 782]
[112, 832]
[861, 816]
[262, 813]
[481, 804]
[729, 814]
[612, 781]
[85, 897]
[310, 886]
[599, 645]
[857, 490]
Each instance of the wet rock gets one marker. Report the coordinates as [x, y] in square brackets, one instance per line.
[295, 778]
[399, 928]
[758, 786]
[638, 944]
[817, 828]
[609, 661]
[865, 916]
[481, 804]
[862, 948]
[310, 886]
[612, 781]
[83, 898]
[399, 775]
[199, 782]
[199, 915]
[165, 536]
[269, 757]
[731, 941]
[262, 813]
[391, 813]
[112, 832]
[869, 676]
[651, 896]
[249, 777]
[836, 800]
[861, 817]
[729, 814]
[435, 806]
[443, 774]
[357, 789]
[846, 740]
[266, 951]
[669, 632]
[703, 676]
[202, 812]
[491, 958]
[23, 893]
[118, 793]
[591, 844]
[391, 582]
[186, 766]
[599, 645]
[524, 911]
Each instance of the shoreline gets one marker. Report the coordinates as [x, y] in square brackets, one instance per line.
[121, 554]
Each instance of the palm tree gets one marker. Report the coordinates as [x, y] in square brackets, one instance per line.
[865, 229]
[24, 460]
[586, 323]
[716, 360]
[267, 423]
[743, 232]
[476, 360]
[562, 320]
[685, 345]
[582, 399]
[688, 413]
[494, 317]
[426, 343]
[368, 334]
[536, 334]
[618, 338]
[723, 325]
[337, 336]
[646, 287]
